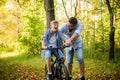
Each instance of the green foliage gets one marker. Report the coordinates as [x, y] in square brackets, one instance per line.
[26, 17]
[7, 30]
[2, 2]
[33, 28]
[5, 48]
[29, 16]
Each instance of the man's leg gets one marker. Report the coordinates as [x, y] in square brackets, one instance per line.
[79, 52]
[69, 67]
[82, 69]
[69, 60]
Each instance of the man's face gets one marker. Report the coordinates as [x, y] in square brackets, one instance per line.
[71, 26]
[54, 27]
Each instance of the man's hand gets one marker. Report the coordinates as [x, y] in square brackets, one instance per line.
[68, 43]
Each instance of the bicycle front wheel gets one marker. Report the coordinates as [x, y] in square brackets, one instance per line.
[63, 73]
[46, 71]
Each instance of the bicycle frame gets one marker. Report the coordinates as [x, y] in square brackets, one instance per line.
[57, 65]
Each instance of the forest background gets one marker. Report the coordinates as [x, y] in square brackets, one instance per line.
[23, 22]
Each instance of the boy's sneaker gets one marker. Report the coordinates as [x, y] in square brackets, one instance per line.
[82, 78]
[49, 76]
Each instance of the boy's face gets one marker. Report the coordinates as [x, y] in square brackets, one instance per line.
[54, 27]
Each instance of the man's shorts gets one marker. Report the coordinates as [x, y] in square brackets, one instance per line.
[70, 54]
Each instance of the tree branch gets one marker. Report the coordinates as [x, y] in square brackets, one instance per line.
[65, 9]
[19, 3]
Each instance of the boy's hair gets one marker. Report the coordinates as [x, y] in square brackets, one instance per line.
[73, 20]
[53, 21]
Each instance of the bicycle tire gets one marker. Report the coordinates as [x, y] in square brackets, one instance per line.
[46, 71]
[63, 73]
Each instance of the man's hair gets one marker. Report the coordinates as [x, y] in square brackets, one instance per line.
[73, 20]
[53, 21]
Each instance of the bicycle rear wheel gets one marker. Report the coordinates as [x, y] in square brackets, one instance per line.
[63, 73]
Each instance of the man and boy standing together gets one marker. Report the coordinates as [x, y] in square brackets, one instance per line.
[54, 37]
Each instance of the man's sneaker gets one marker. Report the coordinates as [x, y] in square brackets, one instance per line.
[70, 78]
[49, 76]
[82, 78]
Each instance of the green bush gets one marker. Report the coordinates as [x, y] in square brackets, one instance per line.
[30, 39]
[5, 48]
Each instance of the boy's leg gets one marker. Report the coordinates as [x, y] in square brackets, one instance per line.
[48, 62]
[49, 74]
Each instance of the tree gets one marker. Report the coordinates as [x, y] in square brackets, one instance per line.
[112, 31]
[49, 8]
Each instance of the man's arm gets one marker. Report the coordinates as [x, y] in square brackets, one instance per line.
[77, 32]
[73, 37]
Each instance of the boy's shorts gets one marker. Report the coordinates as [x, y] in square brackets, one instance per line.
[58, 53]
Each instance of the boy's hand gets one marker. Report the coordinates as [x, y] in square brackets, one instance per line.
[44, 47]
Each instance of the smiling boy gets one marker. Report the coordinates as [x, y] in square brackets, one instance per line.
[52, 37]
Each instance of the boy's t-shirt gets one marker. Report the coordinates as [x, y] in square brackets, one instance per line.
[58, 36]
[53, 41]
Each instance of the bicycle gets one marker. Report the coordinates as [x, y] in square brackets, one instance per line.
[59, 70]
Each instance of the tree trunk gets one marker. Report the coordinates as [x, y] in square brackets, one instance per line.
[49, 8]
[112, 30]
[18, 17]
[103, 31]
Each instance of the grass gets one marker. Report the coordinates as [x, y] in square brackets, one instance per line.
[24, 67]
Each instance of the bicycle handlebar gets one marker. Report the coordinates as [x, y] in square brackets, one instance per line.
[51, 48]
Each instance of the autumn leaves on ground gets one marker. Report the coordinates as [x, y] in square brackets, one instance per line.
[31, 67]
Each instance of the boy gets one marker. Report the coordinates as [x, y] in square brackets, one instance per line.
[52, 37]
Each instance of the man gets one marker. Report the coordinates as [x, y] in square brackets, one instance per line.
[72, 30]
